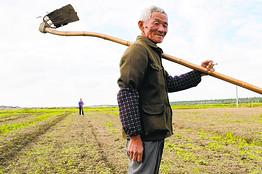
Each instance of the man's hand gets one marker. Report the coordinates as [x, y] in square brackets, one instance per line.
[209, 65]
[135, 148]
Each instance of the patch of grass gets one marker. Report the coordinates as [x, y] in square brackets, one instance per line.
[170, 146]
[111, 128]
[182, 153]
[260, 118]
[109, 124]
[202, 162]
[113, 111]
[6, 128]
[256, 171]
[202, 134]
[196, 171]
[218, 143]
[32, 111]
[166, 166]
[215, 146]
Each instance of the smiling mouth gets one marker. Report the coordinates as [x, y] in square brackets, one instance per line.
[158, 35]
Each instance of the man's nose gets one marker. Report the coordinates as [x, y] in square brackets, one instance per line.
[162, 28]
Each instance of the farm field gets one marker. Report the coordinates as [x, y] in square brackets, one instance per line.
[208, 140]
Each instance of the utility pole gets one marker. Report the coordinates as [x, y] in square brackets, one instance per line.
[237, 96]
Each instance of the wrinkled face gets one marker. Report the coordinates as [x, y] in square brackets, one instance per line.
[155, 28]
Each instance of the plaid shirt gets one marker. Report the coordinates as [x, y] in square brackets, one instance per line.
[128, 100]
[184, 81]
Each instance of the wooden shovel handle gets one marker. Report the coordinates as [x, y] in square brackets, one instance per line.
[243, 84]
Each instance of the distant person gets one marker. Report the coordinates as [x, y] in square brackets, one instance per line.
[81, 107]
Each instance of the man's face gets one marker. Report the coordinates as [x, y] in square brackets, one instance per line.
[155, 28]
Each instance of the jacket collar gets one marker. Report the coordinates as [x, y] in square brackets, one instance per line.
[150, 43]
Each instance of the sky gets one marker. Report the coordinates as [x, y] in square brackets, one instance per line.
[44, 70]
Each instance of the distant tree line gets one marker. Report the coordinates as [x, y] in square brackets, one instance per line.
[8, 107]
[220, 101]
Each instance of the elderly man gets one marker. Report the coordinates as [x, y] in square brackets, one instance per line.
[145, 112]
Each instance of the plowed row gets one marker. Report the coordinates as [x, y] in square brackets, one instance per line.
[204, 141]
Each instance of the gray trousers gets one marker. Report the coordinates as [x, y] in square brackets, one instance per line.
[152, 156]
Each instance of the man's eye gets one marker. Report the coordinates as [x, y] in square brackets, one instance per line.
[156, 23]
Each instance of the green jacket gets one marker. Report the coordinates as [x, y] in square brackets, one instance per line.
[144, 85]
[141, 68]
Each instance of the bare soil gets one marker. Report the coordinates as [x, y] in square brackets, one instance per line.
[204, 141]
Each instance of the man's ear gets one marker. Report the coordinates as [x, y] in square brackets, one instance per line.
[141, 25]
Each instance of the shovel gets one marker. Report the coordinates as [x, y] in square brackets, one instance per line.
[67, 14]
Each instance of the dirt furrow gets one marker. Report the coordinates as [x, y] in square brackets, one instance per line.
[107, 130]
[68, 147]
[16, 118]
[11, 145]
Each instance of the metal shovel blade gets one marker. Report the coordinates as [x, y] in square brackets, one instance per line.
[63, 16]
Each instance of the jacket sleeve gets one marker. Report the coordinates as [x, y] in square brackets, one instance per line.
[132, 69]
[184, 81]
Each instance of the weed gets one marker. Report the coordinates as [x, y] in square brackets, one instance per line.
[166, 166]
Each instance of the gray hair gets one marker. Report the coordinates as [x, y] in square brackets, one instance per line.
[146, 14]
